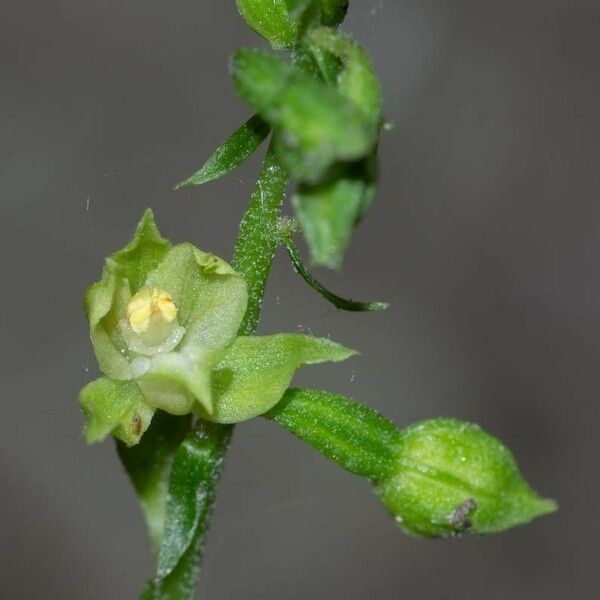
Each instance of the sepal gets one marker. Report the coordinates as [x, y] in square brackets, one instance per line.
[115, 407]
[105, 301]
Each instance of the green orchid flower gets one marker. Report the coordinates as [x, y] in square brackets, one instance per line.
[164, 323]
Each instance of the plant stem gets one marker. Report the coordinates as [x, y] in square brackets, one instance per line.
[254, 254]
[257, 240]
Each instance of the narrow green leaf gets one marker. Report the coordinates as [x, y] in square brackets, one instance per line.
[256, 371]
[315, 125]
[337, 301]
[354, 436]
[114, 407]
[234, 151]
[148, 465]
[196, 469]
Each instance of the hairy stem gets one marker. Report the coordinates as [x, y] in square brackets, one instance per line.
[257, 240]
[254, 254]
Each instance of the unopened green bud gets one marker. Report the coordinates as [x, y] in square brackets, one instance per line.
[283, 22]
[452, 477]
[271, 19]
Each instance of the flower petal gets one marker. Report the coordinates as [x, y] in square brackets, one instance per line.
[211, 297]
[256, 371]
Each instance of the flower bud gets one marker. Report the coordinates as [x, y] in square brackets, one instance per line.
[271, 19]
[452, 477]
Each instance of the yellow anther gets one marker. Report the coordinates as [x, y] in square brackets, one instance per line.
[150, 307]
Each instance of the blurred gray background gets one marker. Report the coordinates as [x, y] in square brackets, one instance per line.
[485, 238]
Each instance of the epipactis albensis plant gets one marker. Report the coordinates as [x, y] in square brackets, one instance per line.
[172, 326]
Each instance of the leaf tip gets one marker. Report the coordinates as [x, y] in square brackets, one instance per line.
[183, 183]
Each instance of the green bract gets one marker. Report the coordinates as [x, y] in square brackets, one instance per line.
[451, 477]
[164, 321]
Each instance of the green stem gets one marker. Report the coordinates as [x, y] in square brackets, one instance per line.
[254, 254]
[258, 239]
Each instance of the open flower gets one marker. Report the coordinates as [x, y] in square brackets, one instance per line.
[163, 323]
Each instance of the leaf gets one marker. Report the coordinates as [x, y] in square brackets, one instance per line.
[451, 477]
[148, 465]
[116, 407]
[271, 20]
[354, 436]
[257, 370]
[329, 211]
[234, 151]
[315, 125]
[195, 472]
[337, 301]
